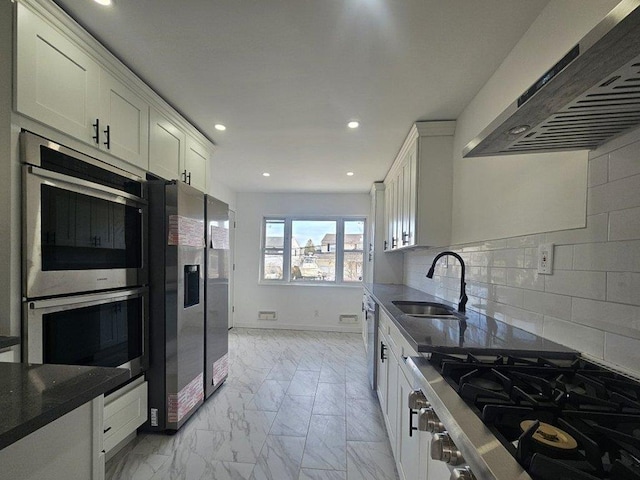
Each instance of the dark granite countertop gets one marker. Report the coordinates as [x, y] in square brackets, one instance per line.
[477, 334]
[31, 396]
[6, 342]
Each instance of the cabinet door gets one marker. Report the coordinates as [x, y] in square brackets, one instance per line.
[411, 195]
[409, 453]
[195, 165]
[382, 378]
[127, 117]
[408, 213]
[400, 209]
[392, 401]
[393, 216]
[388, 215]
[166, 147]
[57, 83]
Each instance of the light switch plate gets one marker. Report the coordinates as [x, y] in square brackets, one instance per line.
[545, 258]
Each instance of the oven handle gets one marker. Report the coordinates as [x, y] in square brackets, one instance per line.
[91, 298]
[82, 186]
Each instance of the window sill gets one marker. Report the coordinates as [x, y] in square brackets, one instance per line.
[278, 283]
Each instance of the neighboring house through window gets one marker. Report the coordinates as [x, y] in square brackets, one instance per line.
[313, 250]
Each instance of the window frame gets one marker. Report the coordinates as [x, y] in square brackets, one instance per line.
[286, 263]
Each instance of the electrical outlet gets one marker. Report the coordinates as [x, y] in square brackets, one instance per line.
[545, 259]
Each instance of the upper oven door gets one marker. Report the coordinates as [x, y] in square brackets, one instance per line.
[80, 235]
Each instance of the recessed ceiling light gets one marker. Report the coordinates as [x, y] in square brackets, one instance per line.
[219, 126]
[105, 3]
[353, 124]
[266, 174]
[350, 174]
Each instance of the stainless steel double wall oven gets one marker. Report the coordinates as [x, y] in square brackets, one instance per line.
[85, 268]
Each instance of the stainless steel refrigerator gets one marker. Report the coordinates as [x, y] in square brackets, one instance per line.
[217, 257]
[177, 303]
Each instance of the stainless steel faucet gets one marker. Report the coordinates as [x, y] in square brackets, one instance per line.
[463, 293]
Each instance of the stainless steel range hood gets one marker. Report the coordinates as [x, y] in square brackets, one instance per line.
[589, 97]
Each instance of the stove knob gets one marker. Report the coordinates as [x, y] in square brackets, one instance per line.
[443, 449]
[428, 421]
[463, 473]
[417, 400]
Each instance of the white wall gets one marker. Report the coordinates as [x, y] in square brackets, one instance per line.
[592, 300]
[219, 190]
[498, 197]
[298, 306]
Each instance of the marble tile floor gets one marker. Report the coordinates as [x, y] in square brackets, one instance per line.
[296, 406]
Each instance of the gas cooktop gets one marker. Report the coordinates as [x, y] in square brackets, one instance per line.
[560, 418]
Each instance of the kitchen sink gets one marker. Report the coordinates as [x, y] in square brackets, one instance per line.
[425, 309]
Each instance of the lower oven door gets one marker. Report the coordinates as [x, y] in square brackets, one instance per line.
[103, 329]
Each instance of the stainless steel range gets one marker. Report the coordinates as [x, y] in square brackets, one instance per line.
[506, 418]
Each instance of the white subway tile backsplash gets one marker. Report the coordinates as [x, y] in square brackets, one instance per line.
[526, 241]
[623, 287]
[595, 231]
[616, 195]
[579, 337]
[525, 278]
[624, 162]
[524, 319]
[613, 317]
[507, 295]
[598, 170]
[622, 351]
[531, 257]
[577, 284]
[624, 224]
[480, 259]
[495, 244]
[609, 256]
[480, 290]
[562, 257]
[497, 275]
[558, 306]
[510, 258]
[591, 302]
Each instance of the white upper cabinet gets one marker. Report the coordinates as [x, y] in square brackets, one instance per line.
[124, 122]
[57, 83]
[60, 85]
[167, 147]
[195, 165]
[68, 82]
[420, 186]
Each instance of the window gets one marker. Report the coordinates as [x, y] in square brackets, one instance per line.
[319, 250]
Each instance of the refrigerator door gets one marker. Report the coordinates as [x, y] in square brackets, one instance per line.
[185, 303]
[217, 294]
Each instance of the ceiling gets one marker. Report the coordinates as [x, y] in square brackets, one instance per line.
[286, 76]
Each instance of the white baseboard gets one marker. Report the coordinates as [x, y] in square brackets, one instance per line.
[315, 328]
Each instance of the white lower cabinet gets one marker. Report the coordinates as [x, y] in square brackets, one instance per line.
[411, 448]
[383, 371]
[411, 457]
[68, 448]
[124, 411]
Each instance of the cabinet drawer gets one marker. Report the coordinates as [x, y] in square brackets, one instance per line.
[124, 414]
